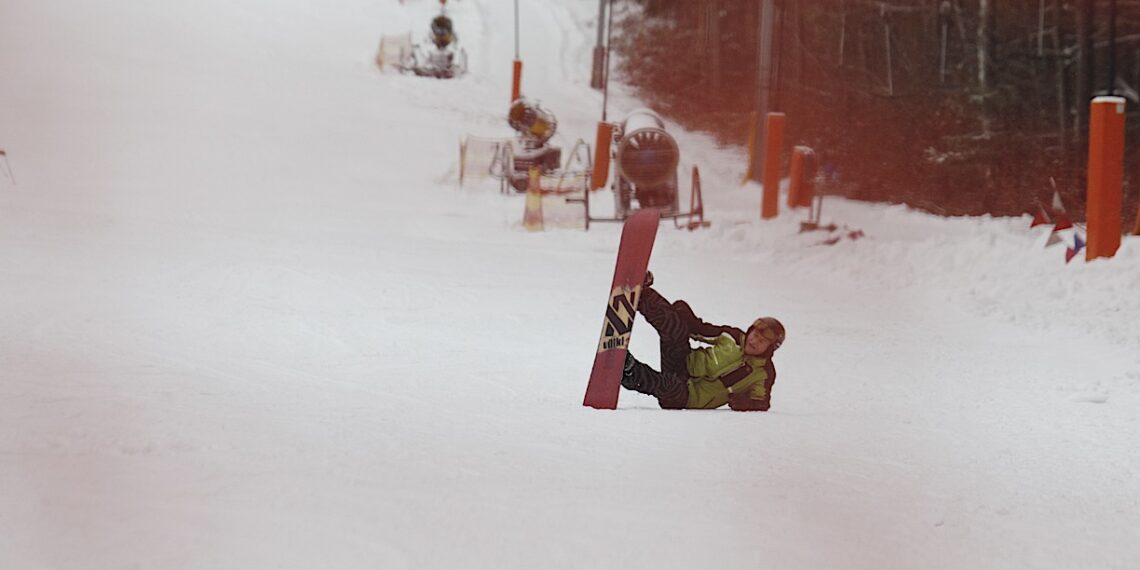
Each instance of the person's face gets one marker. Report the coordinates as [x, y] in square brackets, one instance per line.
[756, 343]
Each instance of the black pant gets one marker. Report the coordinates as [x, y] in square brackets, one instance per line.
[674, 322]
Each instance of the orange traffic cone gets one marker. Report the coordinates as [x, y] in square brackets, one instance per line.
[532, 216]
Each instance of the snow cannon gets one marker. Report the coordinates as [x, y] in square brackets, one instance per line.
[646, 163]
[531, 121]
[440, 56]
[442, 32]
[535, 125]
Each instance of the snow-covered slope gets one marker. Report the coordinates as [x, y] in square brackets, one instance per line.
[250, 321]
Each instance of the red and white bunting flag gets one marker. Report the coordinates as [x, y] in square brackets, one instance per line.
[1063, 222]
[1041, 218]
[1069, 254]
[1057, 205]
[1054, 239]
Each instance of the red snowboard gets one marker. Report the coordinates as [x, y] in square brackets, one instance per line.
[629, 273]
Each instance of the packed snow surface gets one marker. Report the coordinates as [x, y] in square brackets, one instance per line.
[248, 319]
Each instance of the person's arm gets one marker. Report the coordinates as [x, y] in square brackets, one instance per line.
[705, 339]
[698, 328]
[758, 398]
[709, 330]
[711, 361]
[749, 402]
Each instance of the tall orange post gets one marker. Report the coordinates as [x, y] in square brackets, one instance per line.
[796, 177]
[516, 80]
[809, 169]
[1106, 176]
[773, 143]
[751, 148]
[601, 155]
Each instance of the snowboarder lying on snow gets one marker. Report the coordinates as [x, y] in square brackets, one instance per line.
[735, 370]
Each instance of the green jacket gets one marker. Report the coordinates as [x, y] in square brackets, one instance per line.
[722, 374]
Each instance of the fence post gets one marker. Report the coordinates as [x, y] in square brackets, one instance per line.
[773, 141]
[801, 176]
[749, 174]
[1106, 176]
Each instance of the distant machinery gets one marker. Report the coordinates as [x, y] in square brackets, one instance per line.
[510, 160]
[646, 160]
[534, 125]
[442, 57]
[442, 32]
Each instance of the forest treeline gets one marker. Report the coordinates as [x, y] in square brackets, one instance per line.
[952, 106]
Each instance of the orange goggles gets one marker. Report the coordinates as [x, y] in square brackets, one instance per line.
[764, 330]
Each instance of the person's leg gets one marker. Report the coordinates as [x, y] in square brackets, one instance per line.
[670, 389]
[673, 329]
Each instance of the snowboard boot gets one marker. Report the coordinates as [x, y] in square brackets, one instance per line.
[630, 379]
[671, 390]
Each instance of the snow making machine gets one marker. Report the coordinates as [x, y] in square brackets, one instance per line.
[535, 126]
[440, 56]
[510, 159]
[646, 158]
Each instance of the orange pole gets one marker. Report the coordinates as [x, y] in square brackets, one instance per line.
[516, 80]
[810, 167]
[773, 142]
[1106, 176]
[796, 177]
[601, 155]
[751, 147]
